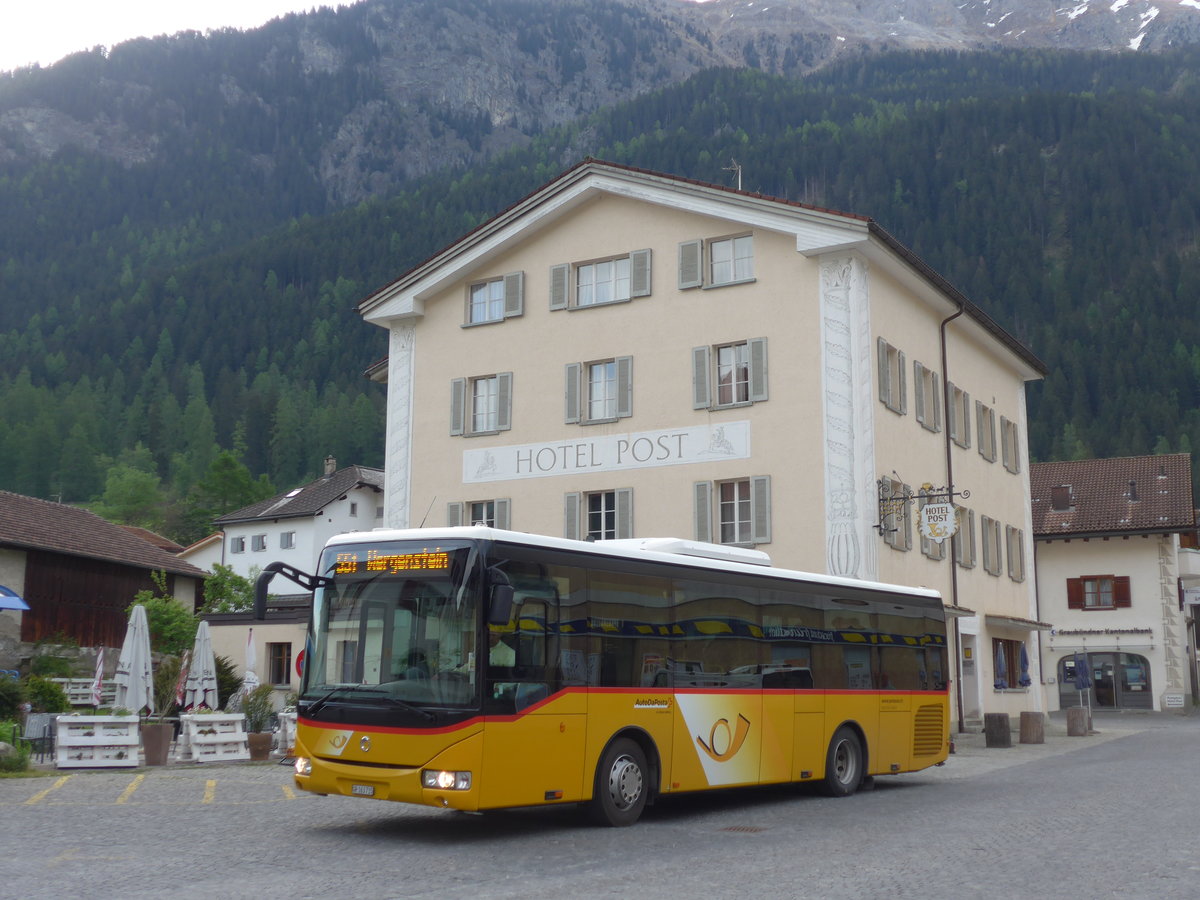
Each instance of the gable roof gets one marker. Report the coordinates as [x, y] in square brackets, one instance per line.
[1126, 495]
[30, 524]
[817, 230]
[308, 500]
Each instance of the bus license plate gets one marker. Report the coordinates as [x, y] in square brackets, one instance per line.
[363, 790]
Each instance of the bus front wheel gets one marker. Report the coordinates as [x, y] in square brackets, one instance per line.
[844, 763]
[621, 788]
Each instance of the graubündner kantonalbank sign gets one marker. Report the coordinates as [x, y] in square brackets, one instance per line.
[609, 453]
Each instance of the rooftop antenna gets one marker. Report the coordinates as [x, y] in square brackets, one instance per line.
[736, 168]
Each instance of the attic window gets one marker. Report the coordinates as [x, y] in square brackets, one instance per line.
[293, 493]
[1060, 498]
[1133, 494]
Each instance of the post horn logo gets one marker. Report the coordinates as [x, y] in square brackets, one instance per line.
[731, 740]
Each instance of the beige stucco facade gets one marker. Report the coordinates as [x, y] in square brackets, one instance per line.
[826, 290]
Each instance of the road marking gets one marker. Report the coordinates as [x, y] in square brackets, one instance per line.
[288, 792]
[210, 791]
[40, 795]
[133, 786]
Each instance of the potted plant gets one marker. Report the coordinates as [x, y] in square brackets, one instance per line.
[258, 706]
[157, 732]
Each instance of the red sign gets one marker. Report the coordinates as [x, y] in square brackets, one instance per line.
[300, 664]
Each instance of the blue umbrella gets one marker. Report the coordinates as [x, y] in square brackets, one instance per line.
[9, 599]
[1083, 678]
[1024, 680]
[1001, 669]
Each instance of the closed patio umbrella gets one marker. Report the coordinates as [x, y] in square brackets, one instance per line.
[135, 679]
[1001, 681]
[1024, 680]
[201, 687]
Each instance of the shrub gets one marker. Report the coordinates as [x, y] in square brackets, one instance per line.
[229, 680]
[45, 695]
[172, 627]
[258, 707]
[17, 761]
[12, 695]
[51, 667]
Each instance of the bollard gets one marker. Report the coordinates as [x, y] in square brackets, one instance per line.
[1033, 728]
[1077, 721]
[996, 730]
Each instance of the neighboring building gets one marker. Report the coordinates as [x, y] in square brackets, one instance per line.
[1111, 577]
[78, 572]
[625, 353]
[294, 526]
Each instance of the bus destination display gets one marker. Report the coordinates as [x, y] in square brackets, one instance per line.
[358, 562]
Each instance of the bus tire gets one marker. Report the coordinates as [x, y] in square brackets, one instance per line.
[843, 763]
[622, 784]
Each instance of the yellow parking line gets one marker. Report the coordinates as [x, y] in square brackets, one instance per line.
[40, 795]
[133, 786]
[288, 792]
[210, 791]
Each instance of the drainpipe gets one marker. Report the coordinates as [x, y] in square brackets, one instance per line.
[956, 669]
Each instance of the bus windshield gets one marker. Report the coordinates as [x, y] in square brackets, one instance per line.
[397, 624]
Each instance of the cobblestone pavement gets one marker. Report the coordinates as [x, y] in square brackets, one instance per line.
[1110, 814]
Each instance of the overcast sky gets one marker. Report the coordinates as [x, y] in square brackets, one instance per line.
[44, 31]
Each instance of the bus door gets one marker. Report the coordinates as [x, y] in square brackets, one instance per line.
[896, 675]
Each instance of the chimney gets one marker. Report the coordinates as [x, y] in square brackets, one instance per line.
[1132, 489]
[330, 465]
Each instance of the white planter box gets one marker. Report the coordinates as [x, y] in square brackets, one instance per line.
[79, 691]
[213, 737]
[96, 742]
[286, 733]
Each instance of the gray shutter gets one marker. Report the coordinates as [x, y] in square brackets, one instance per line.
[503, 514]
[935, 381]
[639, 273]
[504, 401]
[903, 386]
[919, 395]
[760, 509]
[758, 369]
[966, 414]
[702, 510]
[571, 515]
[514, 294]
[624, 512]
[624, 386]
[691, 273]
[979, 435]
[560, 286]
[571, 404]
[454, 514]
[701, 394]
[458, 405]
[881, 353]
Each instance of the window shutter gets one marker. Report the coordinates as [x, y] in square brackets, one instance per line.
[514, 294]
[702, 510]
[458, 405]
[454, 514]
[1074, 593]
[571, 401]
[919, 396]
[758, 369]
[701, 396]
[559, 286]
[881, 351]
[503, 516]
[760, 509]
[965, 431]
[504, 401]
[935, 382]
[1005, 449]
[639, 273]
[624, 502]
[1122, 596]
[903, 386]
[571, 515]
[624, 386]
[980, 437]
[691, 273]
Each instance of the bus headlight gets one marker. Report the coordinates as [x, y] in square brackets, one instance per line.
[303, 765]
[445, 781]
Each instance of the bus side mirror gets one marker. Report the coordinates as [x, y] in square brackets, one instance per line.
[501, 605]
[260, 593]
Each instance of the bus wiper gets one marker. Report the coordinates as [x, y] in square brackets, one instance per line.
[429, 717]
[316, 705]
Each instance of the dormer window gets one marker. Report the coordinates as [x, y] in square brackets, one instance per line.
[1060, 498]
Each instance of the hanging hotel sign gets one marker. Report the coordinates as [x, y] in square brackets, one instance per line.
[609, 453]
[938, 522]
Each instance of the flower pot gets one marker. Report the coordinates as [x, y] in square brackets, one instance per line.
[260, 744]
[156, 742]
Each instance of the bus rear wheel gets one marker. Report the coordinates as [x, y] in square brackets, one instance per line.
[843, 763]
[622, 785]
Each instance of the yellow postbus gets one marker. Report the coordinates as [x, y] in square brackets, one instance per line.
[473, 669]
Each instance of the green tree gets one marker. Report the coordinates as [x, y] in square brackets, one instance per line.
[132, 497]
[172, 626]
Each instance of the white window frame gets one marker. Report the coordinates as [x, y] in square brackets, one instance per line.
[583, 407]
[258, 543]
[496, 299]
[707, 368]
[497, 513]
[287, 540]
[1014, 539]
[1010, 445]
[985, 430]
[578, 514]
[892, 371]
[898, 525]
[572, 285]
[716, 262]
[927, 397]
[707, 511]
[964, 538]
[463, 398]
[958, 415]
[237, 545]
[993, 549]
